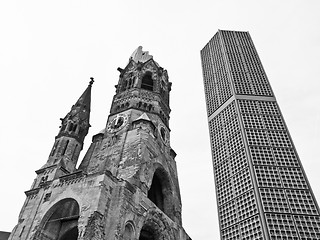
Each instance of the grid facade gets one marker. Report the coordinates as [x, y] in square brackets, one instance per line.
[262, 190]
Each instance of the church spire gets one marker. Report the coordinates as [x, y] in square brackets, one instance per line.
[74, 128]
[76, 123]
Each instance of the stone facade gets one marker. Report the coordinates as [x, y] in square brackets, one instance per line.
[126, 187]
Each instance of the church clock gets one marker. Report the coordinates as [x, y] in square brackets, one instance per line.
[117, 123]
[164, 134]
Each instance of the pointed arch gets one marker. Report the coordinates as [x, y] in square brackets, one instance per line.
[61, 221]
[160, 192]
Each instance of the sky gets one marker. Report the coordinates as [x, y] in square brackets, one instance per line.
[50, 49]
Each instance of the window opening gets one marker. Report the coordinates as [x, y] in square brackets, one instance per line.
[155, 193]
[65, 148]
[70, 127]
[72, 234]
[147, 233]
[147, 82]
[74, 151]
[54, 148]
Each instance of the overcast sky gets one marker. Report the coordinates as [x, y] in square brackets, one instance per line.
[50, 49]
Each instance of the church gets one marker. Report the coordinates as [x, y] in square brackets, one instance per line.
[126, 186]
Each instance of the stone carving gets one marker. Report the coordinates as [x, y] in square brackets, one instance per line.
[95, 228]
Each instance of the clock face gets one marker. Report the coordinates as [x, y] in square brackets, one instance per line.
[117, 123]
[164, 134]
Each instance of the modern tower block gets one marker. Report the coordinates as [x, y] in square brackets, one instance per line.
[261, 187]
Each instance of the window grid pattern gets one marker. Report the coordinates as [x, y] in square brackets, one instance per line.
[238, 162]
[281, 227]
[261, 155]
[236, 201]
[230, 167]
[225, 192]
[249, 229]
[246, 69]
[228, 214]
[301, 202]
[237, 210]
[225, 134]
[288, 206]
[242, 182]
[274, 200]
[293, 178]
[231, 233]
[246, 205]
[285, 157]
[308, 227]
[267, 176]
[216, 80]
[282, 185]
[265, 131]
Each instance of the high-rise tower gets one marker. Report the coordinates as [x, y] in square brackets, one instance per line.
[126, 187]
[262, 189]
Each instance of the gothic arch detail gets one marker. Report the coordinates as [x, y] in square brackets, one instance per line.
[155, 227]
[60, 222]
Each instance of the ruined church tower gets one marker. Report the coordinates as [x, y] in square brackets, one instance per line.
[126, 187]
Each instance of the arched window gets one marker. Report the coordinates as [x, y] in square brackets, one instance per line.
[130, 83]
[61, 221]
[160, 192]
[70, 127]
[147, 82]
[124, 85]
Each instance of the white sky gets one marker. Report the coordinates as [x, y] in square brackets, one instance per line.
[49, 49]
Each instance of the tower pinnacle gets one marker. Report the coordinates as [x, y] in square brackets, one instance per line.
[91, 82]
